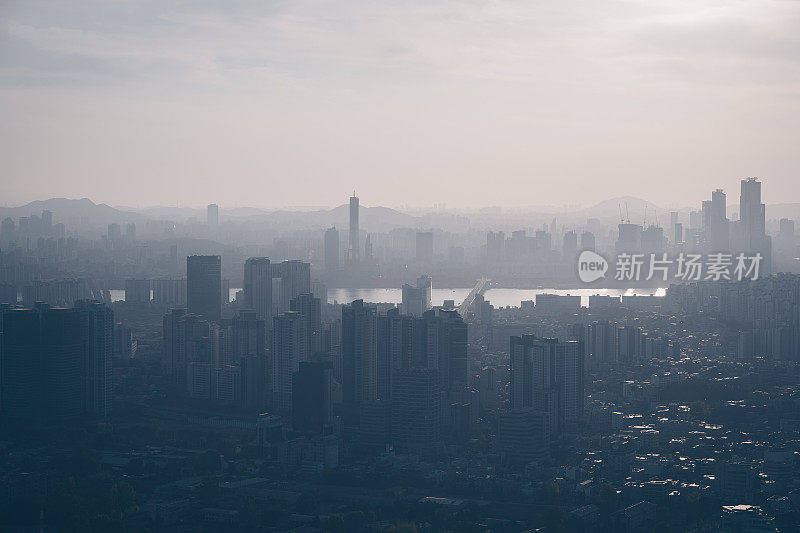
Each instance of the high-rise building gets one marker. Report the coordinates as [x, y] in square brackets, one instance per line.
[359, 356]
[269, 288]
[786, 228]
[570, 248]
[628, 340]
[653, 239]
[311, 317]
[425, 247]
[212, 215]
[62, 293]
[97, 336]
[629, 239]
[169, 292]
[570, 359]
[256, 385]
[188, 339]
[751, 237]
[125, 346]
[547, 375]
[544, 243]
[228, 384]
[677, 233]
[204, 286]
[439, 340]
[312, 406]
[47, 220]
[394, 348]
[425, 285]
[258, 287]
[601, 340]
[673, 219]
[752, 213]
[130, 231]
[533, 374]
[417, 300]
[411, 300]
[247, 336]
[353, 254]
[416, 410]
[42, 360]
[114, 232]
[715, 222]
[56, 363]
[495, 246]
[295, 279]
[288, 351]
[587, 241]
[332, 249]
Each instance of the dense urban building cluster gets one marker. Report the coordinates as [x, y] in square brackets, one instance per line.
[187, 376]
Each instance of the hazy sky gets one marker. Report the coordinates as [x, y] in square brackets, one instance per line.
[471, 103]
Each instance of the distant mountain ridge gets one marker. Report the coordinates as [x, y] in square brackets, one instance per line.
[372, 218]
[65, 209]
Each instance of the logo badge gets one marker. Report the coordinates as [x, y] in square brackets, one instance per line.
[591, 266]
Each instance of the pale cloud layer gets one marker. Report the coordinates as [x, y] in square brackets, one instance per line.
[465, 102]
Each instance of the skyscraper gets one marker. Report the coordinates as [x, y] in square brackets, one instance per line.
[425, 285]
[295, 279]
[439, 340]
[425, 247]
[248, 336]
[212, 215]
[752, 212]
[359, 355]
[417, 300]
[394, 348]
[258, 287]
[587, 240]
[169, 292]
[42, 360]
[97, 337]
[310, 314]
[114, 232]
[547, 375]
[332, 249]
[204, 286]
[570, 248]
[270, 287]
[47, 220]
[411, 300]
[570, 359]
[190, 348]
[673, 219]
[288, 351]
[629, 239]
[56, 363]
[715, 222]
[416, 410]
[601, 340]
[312, 406]
[353, 255]
[751, 234]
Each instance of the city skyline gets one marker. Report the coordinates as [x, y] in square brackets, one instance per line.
[400, 267]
